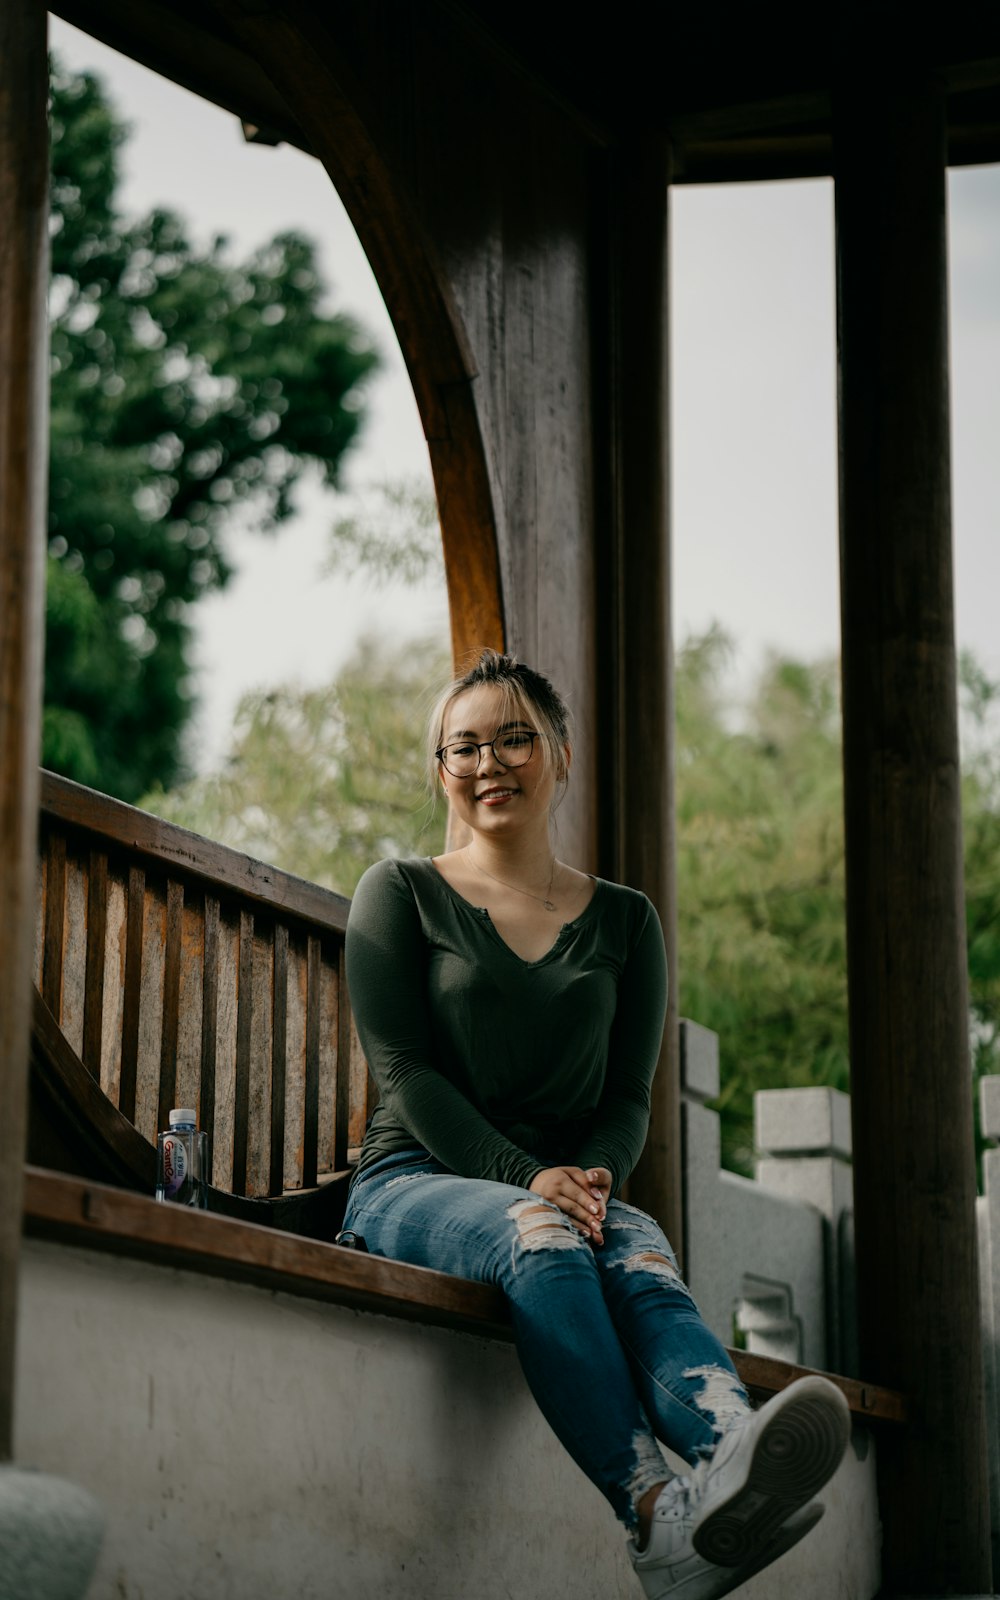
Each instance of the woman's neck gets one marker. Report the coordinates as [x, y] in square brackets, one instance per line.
[520, 860]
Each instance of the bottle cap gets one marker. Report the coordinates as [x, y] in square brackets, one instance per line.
[184, 1114]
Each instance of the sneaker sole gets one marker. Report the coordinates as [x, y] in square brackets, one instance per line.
[723, 1580]
[797, 1450]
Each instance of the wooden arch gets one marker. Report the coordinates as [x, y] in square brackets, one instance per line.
[302, 61]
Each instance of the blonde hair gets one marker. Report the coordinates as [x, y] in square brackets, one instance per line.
[525, 695]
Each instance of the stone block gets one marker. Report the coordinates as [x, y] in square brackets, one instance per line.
[699, 1061]
[802, 1121]
[989, 1106]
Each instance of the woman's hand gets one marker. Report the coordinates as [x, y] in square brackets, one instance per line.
[582, 1195]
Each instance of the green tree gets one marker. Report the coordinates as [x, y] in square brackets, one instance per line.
[760, 878]
[185, 385]
[323, 782]
[762, 941]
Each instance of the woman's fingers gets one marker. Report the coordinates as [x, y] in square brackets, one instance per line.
[569, 1189]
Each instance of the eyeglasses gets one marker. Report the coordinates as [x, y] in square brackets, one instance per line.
[511, 749]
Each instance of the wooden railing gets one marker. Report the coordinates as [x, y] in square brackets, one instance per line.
[183, 973]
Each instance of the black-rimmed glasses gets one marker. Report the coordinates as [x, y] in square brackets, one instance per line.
[511, 749]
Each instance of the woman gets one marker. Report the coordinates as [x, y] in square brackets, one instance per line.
[511, 1009]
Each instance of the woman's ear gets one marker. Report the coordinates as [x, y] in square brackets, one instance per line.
[567, 762]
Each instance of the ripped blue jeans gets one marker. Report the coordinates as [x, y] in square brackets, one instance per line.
[610, 1340]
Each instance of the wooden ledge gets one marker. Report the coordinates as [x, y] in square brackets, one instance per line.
[98, 1217]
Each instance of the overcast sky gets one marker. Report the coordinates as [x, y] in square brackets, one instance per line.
[754, 433]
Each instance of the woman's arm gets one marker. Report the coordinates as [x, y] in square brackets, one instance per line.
[618, 1127]
[386, 958]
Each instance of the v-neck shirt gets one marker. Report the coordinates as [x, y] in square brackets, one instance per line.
[495, 1065]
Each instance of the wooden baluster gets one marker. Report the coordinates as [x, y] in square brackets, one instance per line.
[135, 917]
[93, 989]
[244, 1035]
[342, 1124]
[310, 1126]
[210, 1024]
[279, 1050]
[171, 1002]
[55, 917]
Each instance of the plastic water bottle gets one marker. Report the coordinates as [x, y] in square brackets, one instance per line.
[182, 1161]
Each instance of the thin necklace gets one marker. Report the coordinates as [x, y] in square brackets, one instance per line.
[545, 900]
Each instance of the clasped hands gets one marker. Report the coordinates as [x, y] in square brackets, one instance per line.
[583, 1194]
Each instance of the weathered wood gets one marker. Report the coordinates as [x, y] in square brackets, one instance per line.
[75, 1129]
[209, 1027]
[310, 1122]
[244, 1038]
[133, 991]
[55, 913]
[23, 454]
[169, 1026]
[914, 1172]
[279, 1049]
[635, 645]
[112, 1031]
[342, 1110]
[146, 836]
[74, 949]
[97, 928]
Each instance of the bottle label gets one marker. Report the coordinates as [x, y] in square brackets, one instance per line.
[175, 1164]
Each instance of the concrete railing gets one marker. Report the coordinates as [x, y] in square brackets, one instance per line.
[770, 1260]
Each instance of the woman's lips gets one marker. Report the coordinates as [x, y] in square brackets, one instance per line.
[495, 797]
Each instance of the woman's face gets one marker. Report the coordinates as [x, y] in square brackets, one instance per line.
[495, 799]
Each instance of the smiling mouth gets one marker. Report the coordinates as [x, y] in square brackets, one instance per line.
[492, 796]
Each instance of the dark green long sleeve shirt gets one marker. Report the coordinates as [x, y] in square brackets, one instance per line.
[498, 1066]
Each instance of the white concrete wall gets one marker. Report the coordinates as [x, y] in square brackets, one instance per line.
[254, 1446]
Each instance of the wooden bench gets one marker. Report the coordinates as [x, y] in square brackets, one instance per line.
[174, 971]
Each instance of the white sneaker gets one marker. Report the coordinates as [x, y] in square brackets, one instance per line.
[765, 1468]
[670, 1568]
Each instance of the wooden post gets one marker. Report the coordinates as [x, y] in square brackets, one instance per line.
[23, 454]
[638, 663]
[918, 1297]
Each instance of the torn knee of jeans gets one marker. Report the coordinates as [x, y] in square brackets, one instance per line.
[721, 1397]
[656, 1265]
[541, 1226]
[408, 1177]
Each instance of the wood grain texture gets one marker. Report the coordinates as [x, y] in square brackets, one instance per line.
[55, 915]
[209, 1026]
[23, 460]
[914, 1169]
[97, 929]
[170, 1014]
[314, 1019]
[279, 1052]
[135, 918]
[146, 838]
[112, 1030]
[74, 946]
[244, 1039]
[150, 1039]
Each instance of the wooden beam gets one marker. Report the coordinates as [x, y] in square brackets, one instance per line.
[638, 651]
[914, 1173]
[23, 456]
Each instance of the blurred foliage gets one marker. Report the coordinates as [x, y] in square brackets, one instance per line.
[389, 533]
[762, 936]
[323, 782]
[185, 386]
